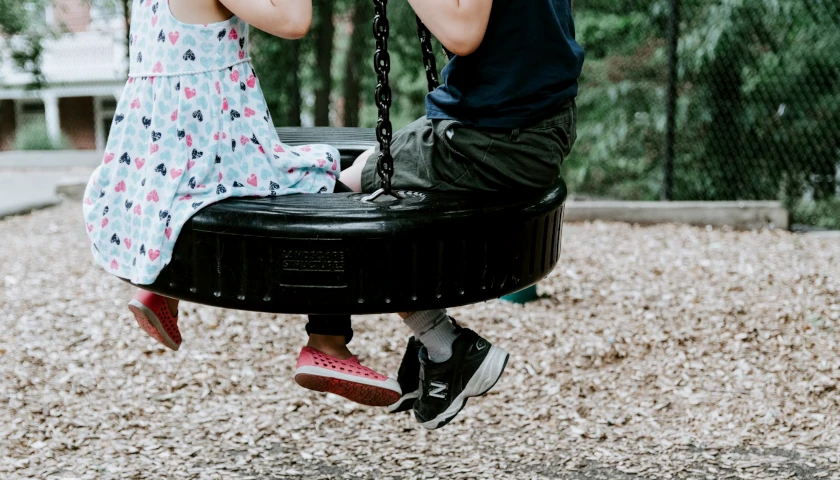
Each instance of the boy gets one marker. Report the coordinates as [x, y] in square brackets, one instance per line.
[504, 119]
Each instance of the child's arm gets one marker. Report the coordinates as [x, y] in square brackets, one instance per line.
[458, 24]
[288, 19]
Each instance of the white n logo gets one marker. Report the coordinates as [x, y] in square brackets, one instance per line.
[438, 389]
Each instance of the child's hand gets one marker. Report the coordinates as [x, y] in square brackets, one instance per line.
[288, 19]
[458, 24]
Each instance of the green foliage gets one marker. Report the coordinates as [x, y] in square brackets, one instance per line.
[621, 102]
[22, 24]
[15, 17]
[762, 80]
[611, 34]
[277, 64]
[759, 109]
[34, 136]
[824, 214]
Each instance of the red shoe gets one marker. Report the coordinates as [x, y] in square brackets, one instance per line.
[153, 315]
[346, 378]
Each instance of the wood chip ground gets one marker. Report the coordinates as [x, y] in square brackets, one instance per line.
[660, 352]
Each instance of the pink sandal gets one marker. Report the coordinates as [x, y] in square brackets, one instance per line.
[347, 378]
[153, 315]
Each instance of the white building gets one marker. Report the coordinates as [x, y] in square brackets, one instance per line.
[85, 71]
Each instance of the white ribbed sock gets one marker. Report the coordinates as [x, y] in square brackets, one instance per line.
[435, 330]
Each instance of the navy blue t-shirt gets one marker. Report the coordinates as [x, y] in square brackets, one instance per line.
[525, 68]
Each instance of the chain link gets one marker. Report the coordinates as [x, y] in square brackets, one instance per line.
[382, 65]
[428, 55]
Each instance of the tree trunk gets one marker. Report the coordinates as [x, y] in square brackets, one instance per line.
[356, 54]
[127, 16]
[293, 112]
[322, 36]
[723, 155]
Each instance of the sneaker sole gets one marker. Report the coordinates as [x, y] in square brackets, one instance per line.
[149, 322]
[351, 389]
[484, 379]
[405, 403]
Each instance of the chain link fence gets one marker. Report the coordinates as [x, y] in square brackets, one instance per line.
[755, 87]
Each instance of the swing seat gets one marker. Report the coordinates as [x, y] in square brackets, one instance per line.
[336, 254]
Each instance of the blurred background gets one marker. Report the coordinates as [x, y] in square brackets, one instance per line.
[680, 99]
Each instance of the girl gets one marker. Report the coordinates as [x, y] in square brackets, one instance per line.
[191, 129]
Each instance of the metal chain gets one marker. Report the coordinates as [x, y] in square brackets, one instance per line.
[428, 55]
[382, 65]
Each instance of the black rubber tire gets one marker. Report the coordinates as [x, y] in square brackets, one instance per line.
[334, 253]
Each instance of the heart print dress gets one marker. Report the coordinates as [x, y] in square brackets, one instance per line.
[192, 128]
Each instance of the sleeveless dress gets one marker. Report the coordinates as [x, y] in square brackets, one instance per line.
[192, 128]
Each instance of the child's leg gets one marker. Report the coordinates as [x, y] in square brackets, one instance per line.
[157, 316]
[330, 334]
[435, 330]
[352, 177]
[445, 155]
[326, 365]
[456, 364]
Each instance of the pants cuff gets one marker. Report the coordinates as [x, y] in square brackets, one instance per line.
[330, 325]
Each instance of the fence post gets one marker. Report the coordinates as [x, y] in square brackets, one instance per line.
[671, 106]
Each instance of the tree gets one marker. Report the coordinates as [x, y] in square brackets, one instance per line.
[323, 40]
[126, 13]
[24, 32]
[763, 91]
[621, 99]
[278, 63]
[355, 62]
[759, 93]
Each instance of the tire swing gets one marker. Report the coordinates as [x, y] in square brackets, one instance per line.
[348, 253]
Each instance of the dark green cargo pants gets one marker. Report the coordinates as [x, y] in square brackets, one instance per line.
[445, 155]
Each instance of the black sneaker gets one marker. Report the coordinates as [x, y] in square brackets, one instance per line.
[473, 369]
[408, 377]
